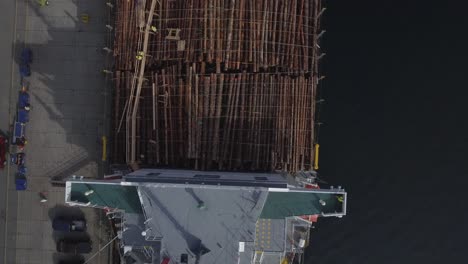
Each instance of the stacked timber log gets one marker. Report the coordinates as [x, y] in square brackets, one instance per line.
[228, 84]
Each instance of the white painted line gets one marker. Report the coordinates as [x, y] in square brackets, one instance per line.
[278, 189]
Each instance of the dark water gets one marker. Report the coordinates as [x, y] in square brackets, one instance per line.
[396, 132]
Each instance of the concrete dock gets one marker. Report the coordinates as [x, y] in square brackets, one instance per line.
[68, 117]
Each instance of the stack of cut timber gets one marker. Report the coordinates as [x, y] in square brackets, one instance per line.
[229, 84]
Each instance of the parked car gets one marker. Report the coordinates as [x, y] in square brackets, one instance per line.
[18, 158]
[79, 260]
[74, 247]
[69, 225]
[3, 151]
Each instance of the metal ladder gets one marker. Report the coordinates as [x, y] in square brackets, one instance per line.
[148, 252]
[258, 257]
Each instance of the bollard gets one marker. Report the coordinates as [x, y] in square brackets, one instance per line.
[104, 148]
[316, 156]
[85, 18]
[43, 2]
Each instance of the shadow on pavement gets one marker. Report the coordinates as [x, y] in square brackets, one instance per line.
[66, 211]
[67, 83]
[70, 236]
[60, 258]
[66, 87]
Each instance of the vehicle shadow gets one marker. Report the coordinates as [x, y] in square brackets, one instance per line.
[66, 212]
[59, 258]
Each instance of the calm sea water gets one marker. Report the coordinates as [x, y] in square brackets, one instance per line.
[396, 132]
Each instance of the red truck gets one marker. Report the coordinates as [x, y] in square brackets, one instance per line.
[3, 150]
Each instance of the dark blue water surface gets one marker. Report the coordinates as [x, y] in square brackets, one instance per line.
[395, 132]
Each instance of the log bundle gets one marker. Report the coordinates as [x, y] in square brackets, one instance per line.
[227, 84]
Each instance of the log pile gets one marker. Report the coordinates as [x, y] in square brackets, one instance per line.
[228, 84]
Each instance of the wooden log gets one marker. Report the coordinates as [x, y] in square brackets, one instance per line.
[255, 114]
[304, 27]
[266, 41]
[252, 100]
[166, 118]
[229, 34]
[219, 102]
[211, 30]
[197, 120]
[206, 120]
[240, 131]
[251, 31]
[153, 93]
[259, 127]
[117, 95]
[219, 40]
[292, 35]
[172, 135]
[304, 125]
[285, 118]
[205, 30]
[157, 139]
[181, 128]
[271, 122]
[278, 101]
[212, 117]
[235, 117]
[189, 113]
[263, 35]
[228, 125]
